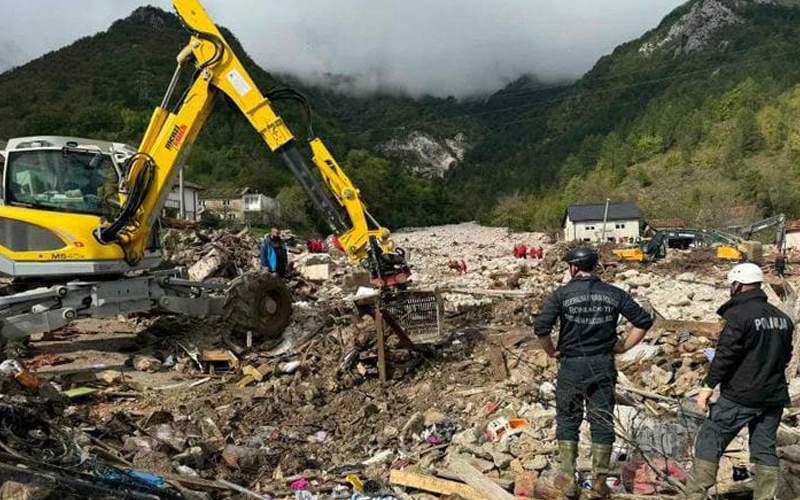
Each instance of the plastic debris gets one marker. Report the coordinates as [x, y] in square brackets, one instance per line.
[300, 484]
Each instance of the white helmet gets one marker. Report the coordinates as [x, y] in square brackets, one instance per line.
[746, 274]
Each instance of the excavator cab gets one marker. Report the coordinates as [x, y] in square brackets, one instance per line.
[56, 190]
[72, 179]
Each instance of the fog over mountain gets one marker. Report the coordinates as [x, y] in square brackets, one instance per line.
[438, 47]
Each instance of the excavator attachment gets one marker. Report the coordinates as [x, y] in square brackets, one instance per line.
[418, 313]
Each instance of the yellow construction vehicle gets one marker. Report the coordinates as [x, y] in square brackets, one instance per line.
[728, 247]
[78, 219]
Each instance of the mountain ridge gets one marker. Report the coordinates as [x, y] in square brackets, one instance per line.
[722, 70]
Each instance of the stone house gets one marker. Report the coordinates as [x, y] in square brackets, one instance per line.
[242, 205]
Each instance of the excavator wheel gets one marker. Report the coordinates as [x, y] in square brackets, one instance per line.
[259, 303]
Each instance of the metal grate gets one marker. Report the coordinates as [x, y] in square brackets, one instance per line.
[418, 312]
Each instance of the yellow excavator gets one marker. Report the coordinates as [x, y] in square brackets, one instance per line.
[729, 247]
[79, 218]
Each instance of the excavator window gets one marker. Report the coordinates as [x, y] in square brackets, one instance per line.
[74, 182]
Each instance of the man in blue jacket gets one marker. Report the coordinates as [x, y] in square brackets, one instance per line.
[273, 253]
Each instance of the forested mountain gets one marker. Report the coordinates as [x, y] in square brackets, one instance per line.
[107, 85]
[700, 113]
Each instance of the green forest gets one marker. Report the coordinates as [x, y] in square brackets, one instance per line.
[683, 135]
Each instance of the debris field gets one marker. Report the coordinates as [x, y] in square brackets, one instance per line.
[172, 407]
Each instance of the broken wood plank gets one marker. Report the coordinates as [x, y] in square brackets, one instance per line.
[511, 340]
[380, 345]
[432, 484]
[498, 364]
[514, 294]
[448, 474]
[194, 483]
[473, 477]
[471, 392]
[708, 329]
[647, 394]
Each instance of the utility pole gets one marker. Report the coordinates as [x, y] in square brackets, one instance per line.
[605, 220]
[182, 203]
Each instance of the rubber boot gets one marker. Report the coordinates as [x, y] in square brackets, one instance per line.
[565, 481]
[703, 477]
[601, 466]
[766, 482]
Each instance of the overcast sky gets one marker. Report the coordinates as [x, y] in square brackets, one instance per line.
[442, 47]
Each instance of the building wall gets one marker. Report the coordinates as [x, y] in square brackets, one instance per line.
[226, 209]
[793, 240]
[593, 230]
[191, 202]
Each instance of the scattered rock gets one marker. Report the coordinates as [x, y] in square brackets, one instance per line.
[539, 462]
[146, 363]
[433, 417]
[110, 377]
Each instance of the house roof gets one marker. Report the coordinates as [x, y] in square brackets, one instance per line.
[793, 226]
[190, 185]
[616, 211]
[224, 193]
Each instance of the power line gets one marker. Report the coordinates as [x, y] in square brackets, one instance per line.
[580, 94]
[504, 95]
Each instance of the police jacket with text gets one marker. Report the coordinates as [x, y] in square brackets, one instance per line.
[754, 348]
[588, 311]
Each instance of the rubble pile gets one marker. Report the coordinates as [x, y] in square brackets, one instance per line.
[308, 417]
[685, 296]
[212, 253]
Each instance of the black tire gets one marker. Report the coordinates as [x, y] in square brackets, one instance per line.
[260, 303]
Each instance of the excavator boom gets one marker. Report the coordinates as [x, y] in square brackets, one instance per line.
[175, 126]
[79, 217]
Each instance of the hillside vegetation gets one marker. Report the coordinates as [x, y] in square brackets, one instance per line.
[107, 85]
[699, 114]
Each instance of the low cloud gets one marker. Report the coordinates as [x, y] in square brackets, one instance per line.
[438, 47]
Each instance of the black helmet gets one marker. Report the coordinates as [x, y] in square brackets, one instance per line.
[583, 258]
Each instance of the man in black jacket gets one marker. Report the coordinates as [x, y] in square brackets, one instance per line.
[750, 368]
[588, 311]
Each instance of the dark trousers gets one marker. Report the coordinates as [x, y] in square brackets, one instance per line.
[586, 382]
[725, 421]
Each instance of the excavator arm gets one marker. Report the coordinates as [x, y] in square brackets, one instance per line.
[176, 123]
[779, 222]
